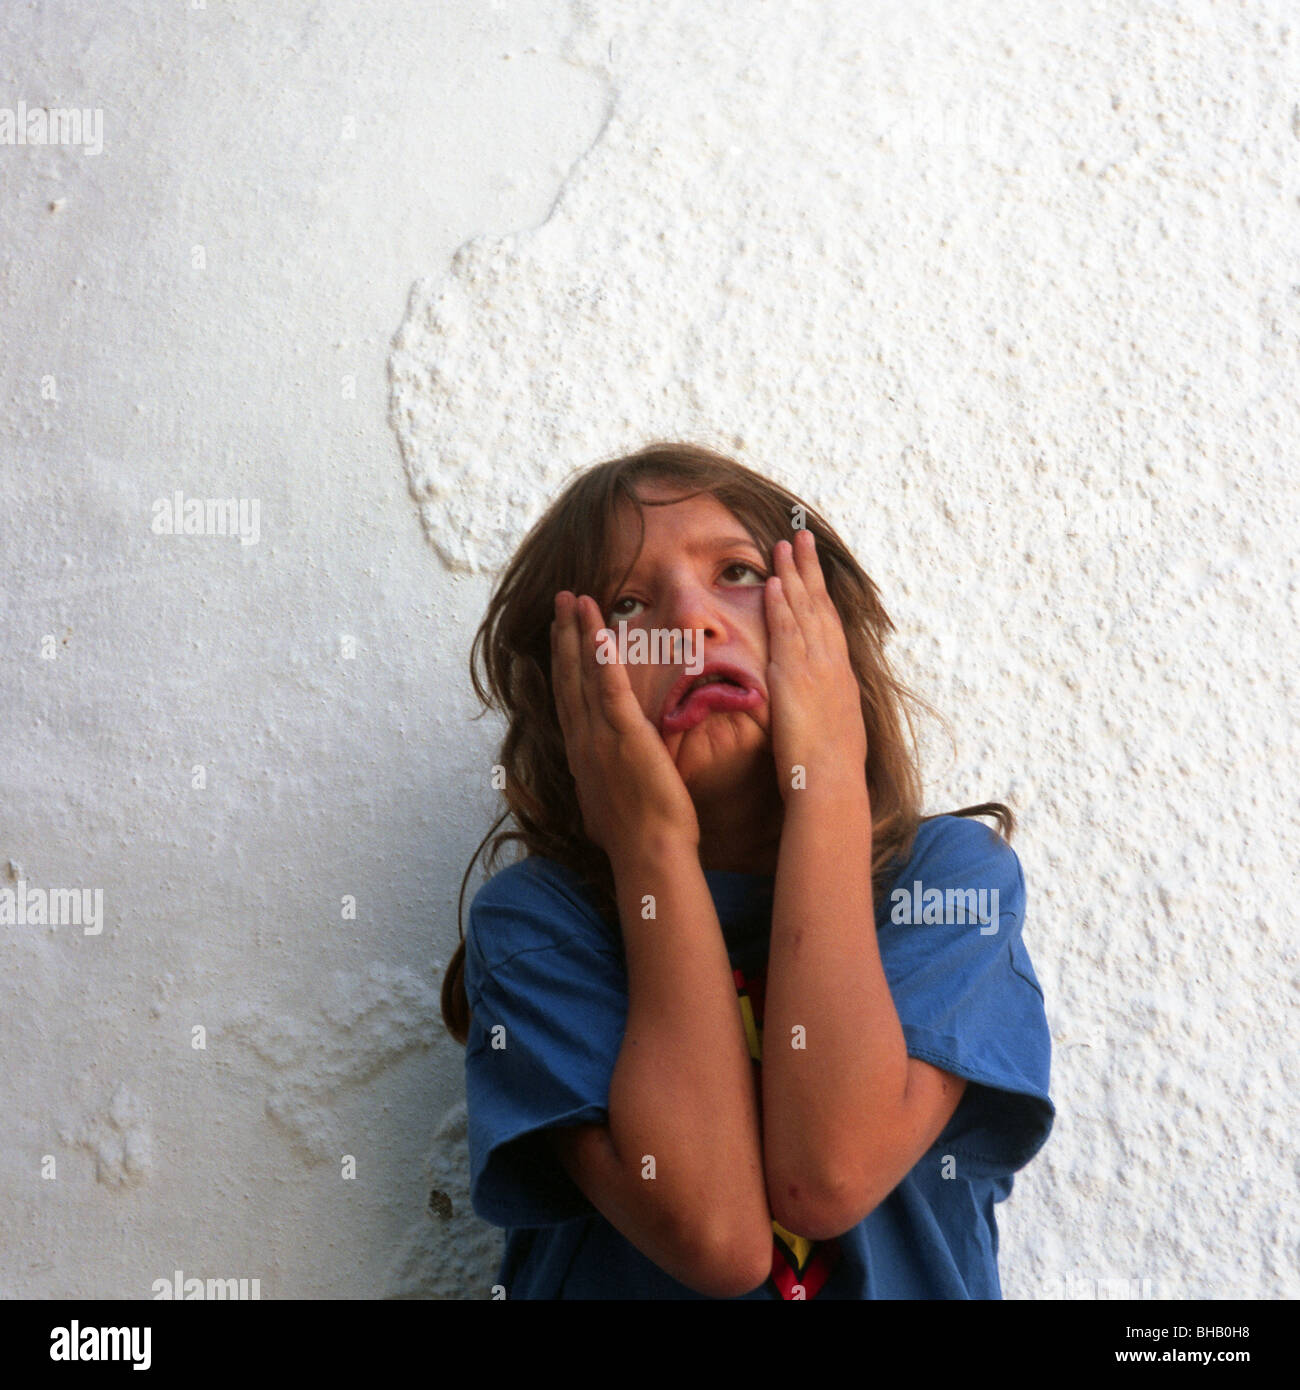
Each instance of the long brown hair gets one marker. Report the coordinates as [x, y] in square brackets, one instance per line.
[568, 548]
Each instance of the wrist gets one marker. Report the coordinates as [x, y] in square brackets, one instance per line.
[836, 784]
[652, 850]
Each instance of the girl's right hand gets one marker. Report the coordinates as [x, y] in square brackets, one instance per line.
[628, 786]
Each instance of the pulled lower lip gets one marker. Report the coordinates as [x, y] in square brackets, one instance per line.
[718, 696]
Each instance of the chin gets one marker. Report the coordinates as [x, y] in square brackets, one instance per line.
[720, 753]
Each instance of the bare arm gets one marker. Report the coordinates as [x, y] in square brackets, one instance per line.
[679, 1168]
[848, 1114]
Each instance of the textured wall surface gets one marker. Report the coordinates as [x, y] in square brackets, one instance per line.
[1007, 289]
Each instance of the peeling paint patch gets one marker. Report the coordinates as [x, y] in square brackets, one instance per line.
[119, 1138]
[364, 1025]
[454, 1255]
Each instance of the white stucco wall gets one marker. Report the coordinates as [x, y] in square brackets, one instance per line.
[1007, 289]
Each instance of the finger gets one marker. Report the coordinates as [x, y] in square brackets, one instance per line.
[594, 672]
[809, 564]
[794, 596]
[810, 600]
[785, 642]
[814, 581]
[565, 670]
[795, 579]
[607, 683]
[586, 653]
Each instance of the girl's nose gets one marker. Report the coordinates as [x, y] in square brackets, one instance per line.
[691, 607]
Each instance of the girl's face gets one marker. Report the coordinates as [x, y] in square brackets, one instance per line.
[699, 571]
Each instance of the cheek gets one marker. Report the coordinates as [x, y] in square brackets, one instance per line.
[753, 611]
[645, 682]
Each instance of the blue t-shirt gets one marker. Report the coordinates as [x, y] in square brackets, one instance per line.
[547, 988]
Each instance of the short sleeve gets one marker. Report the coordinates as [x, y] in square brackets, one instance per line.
[950, 936]
[547, 993]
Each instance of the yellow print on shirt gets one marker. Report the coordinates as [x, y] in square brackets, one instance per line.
[800, 1267]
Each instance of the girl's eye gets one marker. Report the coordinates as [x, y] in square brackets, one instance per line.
[758, 574]
[745, 565]
[613, 608]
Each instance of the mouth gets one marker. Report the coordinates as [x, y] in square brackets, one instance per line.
[719, 686]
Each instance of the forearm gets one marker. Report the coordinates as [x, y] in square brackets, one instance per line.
[835, 1063]
[683, 1090]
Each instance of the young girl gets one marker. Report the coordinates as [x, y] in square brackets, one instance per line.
[743, 1023]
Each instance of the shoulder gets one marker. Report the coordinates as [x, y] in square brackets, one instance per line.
[960, 851]
[960, 839]
[951, 937]
[962, 883]
[530, 905]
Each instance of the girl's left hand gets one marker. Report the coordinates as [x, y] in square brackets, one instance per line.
[816, 704]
